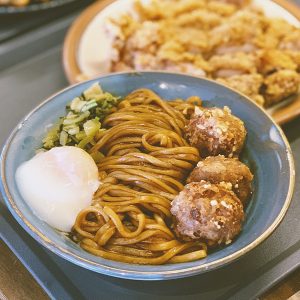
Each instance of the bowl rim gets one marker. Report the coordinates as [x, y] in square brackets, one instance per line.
[122, 272]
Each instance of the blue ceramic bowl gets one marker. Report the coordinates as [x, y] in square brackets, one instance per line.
[266, 150]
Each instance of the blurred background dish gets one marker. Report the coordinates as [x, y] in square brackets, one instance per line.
[90, 45]
[266, 150]
[27, 6]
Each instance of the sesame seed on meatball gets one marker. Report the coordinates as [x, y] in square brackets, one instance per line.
[216, 169]
[208, 212]
[216, 131]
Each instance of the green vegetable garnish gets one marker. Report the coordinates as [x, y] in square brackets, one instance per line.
[82, 121]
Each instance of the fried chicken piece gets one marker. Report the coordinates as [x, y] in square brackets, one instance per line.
[191, 40]
[158, 10]
[145, 61]
[173, 52]
[278, 28]
[117, 31]
[238, 3]
[144, 37]
[265, 41]
[174, 8]
[187, 68]
[221, 8]
[247, 47]
[217, 169]
[274, 60]
[141, 46]
[291, 40]
[280, 85]
[216, 131]
[121, 28]
[274, 31]
[295, 57]
[233, 64]
[119, 66]
[238, 29]
[203, 19]
[248, 84]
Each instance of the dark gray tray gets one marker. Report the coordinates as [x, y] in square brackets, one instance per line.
[28, 82]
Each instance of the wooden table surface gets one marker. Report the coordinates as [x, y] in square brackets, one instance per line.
[16, 283]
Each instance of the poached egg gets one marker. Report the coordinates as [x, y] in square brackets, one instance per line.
[58, 184]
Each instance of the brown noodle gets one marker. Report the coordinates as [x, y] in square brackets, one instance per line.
[147, 161]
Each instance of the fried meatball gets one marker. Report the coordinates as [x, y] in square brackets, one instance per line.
[216, 169]
[216, 131]
[208, 212]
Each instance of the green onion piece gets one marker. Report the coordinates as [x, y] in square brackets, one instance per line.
[77, 104]
[103, 96]
[63, 138]
[71, 115]
[73, 131]
[95, 89]
[91, 127]
[85, 141]
[76, 120]
[88, 106]
[52, 136]
[80, 135]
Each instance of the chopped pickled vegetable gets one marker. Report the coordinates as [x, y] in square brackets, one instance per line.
[91, 127]
[82, 123]
[52, 138]
[92, 91]
[63, 138]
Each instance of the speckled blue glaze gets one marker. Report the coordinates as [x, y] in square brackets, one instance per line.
[266, 151]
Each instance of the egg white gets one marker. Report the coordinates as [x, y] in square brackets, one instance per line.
[58, 184]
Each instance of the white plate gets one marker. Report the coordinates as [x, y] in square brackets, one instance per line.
[94, 49]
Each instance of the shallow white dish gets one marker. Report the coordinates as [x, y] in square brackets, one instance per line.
[87, 48]
[93, 55]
